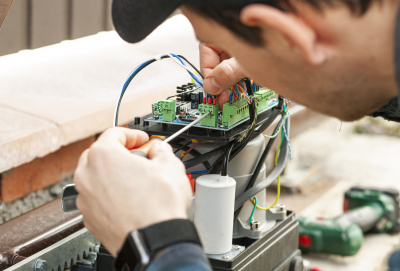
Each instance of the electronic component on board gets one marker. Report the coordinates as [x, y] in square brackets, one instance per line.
[190, 103]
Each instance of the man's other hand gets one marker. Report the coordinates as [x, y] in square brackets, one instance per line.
[120, 192]
[220, 71]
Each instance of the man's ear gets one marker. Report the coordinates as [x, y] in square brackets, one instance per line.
[295, 30]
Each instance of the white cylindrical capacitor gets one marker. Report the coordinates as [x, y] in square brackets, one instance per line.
[213, 214]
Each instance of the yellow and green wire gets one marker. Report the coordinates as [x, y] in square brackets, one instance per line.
[278, 180]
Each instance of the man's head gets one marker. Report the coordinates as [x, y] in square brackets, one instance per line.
[333, 56]
[229, 16]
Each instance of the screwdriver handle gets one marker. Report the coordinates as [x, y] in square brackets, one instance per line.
[145, 148]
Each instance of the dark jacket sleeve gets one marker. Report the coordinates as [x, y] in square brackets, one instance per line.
[391, 111]
[181, 257]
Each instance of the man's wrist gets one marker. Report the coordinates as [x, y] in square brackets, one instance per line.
[143, 245]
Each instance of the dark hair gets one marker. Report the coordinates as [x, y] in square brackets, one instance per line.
[229, 17]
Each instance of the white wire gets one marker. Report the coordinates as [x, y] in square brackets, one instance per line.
[126, 79]
[158, 57]
[188, 69]
[185, 67]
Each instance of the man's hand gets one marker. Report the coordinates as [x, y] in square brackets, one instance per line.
[120, 191]
[220, 71]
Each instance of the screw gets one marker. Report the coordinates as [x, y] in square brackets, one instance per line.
[255, 226]
[92, 257]
[96, 248]
[237, 247]
[40, 265]
[225, 257]
[282, 207]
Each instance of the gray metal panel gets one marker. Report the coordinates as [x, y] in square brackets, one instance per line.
[87, 17]
[49, 22]
[14, 32]
[271, 252]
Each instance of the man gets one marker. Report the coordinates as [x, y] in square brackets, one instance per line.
[335, 57]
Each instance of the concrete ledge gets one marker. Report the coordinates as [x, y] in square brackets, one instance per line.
[56, 95]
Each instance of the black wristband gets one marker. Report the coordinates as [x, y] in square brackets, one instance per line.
[140, 246]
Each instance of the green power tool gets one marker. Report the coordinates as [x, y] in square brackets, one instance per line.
[365, 210]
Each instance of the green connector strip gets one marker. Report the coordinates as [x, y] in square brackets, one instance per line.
[239, 110]
[212, 119]
[168, 109]
[263, 96]
[232, 113]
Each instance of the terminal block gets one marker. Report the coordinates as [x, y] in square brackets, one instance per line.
[168, 109]
[263, 96]
[212, 119]
[239, 110]
[232, 113]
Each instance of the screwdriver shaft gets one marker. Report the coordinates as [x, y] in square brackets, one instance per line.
[186, 127]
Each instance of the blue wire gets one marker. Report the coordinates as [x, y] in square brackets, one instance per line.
[132, 75]
[191, 74]
[200, 172]
[230, 97]
[287, 138]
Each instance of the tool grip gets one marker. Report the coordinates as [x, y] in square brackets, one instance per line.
[365, 217]
[144, 150]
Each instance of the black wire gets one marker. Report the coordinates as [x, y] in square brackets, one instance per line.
[275, 112]
[224, 171]
[238, 146]
[193, 152]
[178, 148]
[185, 92]
[261, 161]
[193, 66]
[248, 86]
[264, 154]
[126, 84]
[204, 157]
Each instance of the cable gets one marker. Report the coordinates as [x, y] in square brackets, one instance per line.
[194, 153]
[141, 67]
[190, 149]
[193, 66]
[238, 146]
[224, 171]
[185, 92]
[260, 163]
[248, 86]
[183, 146]
[254, 208]
[276, 132]
[182, 64]
[204, 157]
[199, 172]
[126, 84]
[278, 192]
[270, 178]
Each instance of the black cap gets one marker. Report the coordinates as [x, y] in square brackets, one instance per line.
[135, 19]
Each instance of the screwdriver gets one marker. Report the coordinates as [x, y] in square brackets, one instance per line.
[145, 148]
[68, 198]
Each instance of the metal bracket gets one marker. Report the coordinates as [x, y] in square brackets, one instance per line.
[62, 254]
